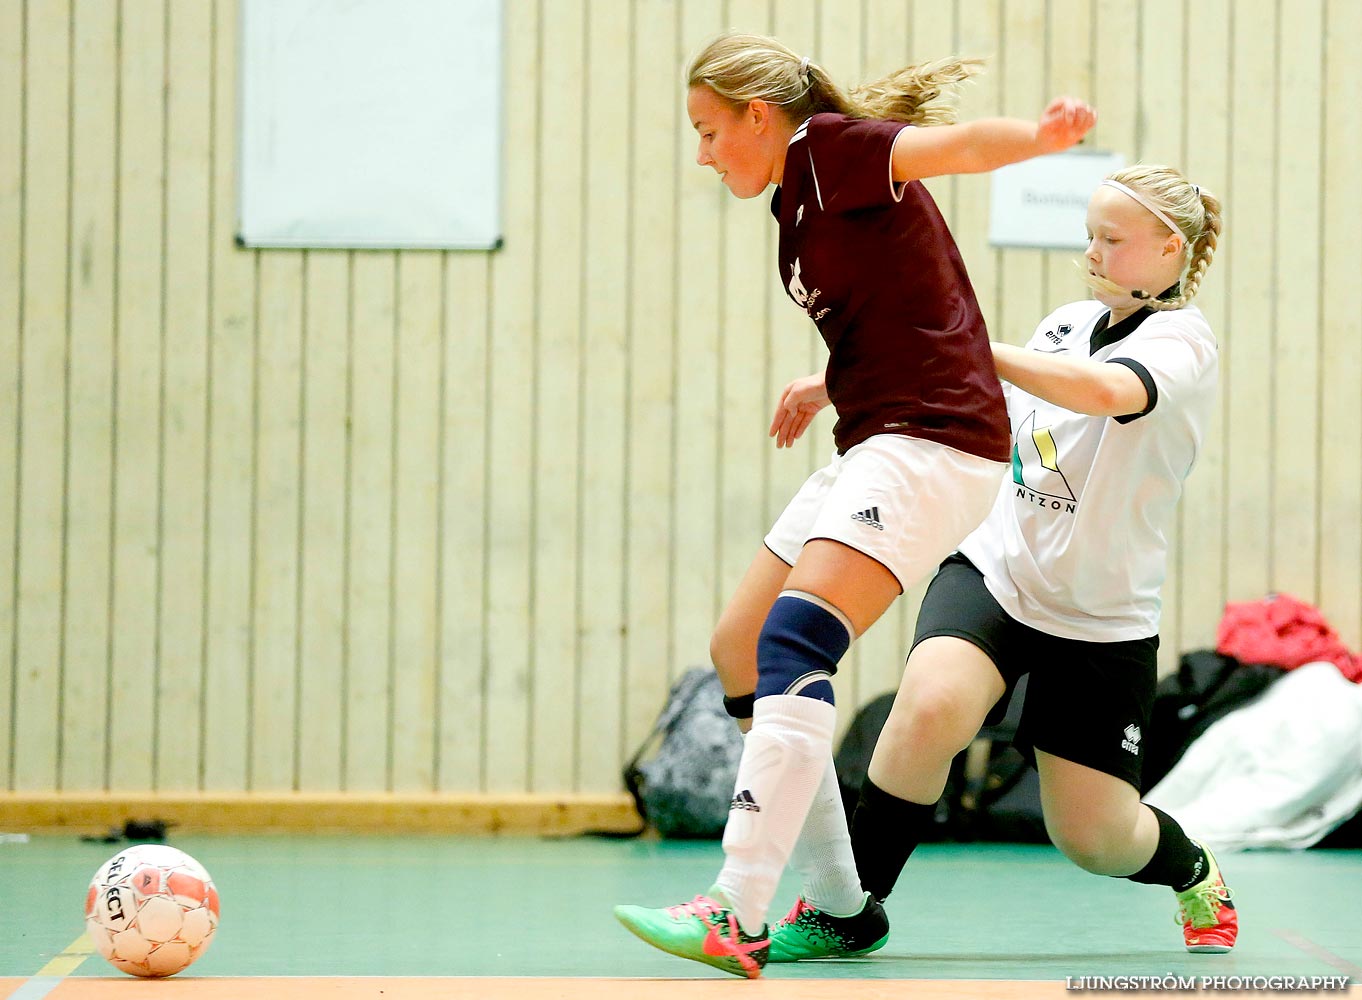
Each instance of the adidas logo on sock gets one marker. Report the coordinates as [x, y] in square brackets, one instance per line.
[744, 800]
[870, 516]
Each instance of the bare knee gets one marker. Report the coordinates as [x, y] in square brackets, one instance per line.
[931, 721]
[1100, 845]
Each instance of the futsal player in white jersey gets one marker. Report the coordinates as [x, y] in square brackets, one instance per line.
[921, 435]
[1109, 403]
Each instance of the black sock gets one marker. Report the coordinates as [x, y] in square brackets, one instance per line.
[1178, 861]
[884, 831]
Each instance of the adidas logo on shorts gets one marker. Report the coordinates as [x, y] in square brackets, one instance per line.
[870, 516]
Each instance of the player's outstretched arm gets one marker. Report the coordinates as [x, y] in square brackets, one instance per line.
[1097, 388]
[988, 143]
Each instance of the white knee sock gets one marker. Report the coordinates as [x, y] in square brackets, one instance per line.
[822, 855]
[784, 759]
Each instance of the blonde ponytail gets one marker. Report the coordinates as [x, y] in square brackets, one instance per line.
[740, 68]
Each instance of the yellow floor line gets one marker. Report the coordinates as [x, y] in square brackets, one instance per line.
[46, 979]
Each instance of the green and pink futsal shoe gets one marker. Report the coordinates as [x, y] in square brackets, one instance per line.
[806, 932]
[1209, 920]
[703, 930]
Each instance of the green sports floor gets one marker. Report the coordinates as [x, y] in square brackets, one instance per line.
[389, 917]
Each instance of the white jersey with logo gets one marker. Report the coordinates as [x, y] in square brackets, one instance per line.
[1077, 542]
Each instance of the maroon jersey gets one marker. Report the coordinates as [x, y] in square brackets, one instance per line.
[874, 265]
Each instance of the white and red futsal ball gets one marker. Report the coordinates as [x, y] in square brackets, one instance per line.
[151, 910]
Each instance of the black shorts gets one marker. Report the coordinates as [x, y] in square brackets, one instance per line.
[1087, 702]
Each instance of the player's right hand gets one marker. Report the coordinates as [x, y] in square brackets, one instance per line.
[799, 403]
[1063, 123]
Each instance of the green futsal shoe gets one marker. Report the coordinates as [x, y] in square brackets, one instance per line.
[703, 930]
[805, 932]
[1210, 923]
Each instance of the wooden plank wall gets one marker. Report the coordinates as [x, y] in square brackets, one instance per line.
[411, 521]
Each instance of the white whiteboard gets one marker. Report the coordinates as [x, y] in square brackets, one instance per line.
[1043, 202]
[370, 123]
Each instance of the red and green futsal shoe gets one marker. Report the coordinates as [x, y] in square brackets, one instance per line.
[806, 932]
[703, 930]
[1209, 920]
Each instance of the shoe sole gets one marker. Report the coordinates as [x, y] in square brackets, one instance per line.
[732, 966]
[1209, 949]
[773, 960]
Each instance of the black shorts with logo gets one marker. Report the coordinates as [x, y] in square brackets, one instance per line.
[1087, 702]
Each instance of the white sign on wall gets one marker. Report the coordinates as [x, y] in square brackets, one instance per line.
[1043, 202]
[371, 123]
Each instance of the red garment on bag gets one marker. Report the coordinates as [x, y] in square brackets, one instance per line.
[1284, 632]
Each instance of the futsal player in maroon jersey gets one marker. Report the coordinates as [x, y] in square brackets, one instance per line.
[922, 436]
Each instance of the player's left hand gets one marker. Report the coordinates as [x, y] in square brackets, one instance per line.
[1063, 123]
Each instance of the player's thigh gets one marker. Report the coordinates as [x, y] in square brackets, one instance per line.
[858, 585]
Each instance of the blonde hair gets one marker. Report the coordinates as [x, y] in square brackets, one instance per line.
[1195, 211]
[740, 68]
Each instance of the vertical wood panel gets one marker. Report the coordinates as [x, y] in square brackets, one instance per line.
[1069, 62]
[1246, 355]
[697, 458]
[745, 406]
[662, 148]
[1199, 560]
[278, 484]
[1116, 28]
[888, 36]
[42, 397]
[1340, 487]
[602, 511]
[464, 510]
[1296, 321]
[745, 402]
[794, 347]
[184, 415]
[416, 592]
[12, 98]
[506, 761]
[89, 487]
[980, 36]
[557, 434]
[231, 442]
[137, 393]
[321, 627]
[1022, 65]
[369, 582]
[1160, 132]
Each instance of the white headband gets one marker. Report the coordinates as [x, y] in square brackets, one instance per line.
[1147, 204]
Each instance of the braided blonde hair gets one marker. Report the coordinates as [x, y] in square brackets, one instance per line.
[741, 68]
[1197, 214]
